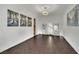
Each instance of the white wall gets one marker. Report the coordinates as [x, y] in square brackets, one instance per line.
[10, 36]
[50, 19]
[71, 33]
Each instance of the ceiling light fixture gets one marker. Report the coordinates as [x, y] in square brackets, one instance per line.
[45, 10]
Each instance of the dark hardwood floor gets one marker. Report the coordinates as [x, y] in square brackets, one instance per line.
[42, 44]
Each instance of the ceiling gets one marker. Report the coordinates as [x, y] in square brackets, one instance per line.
[53, 9]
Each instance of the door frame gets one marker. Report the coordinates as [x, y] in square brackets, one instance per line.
[34, 26]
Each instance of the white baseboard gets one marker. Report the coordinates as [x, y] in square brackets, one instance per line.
[14, 44]
[71, 45]
[24, 39]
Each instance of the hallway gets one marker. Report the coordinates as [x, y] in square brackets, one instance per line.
[42, 44]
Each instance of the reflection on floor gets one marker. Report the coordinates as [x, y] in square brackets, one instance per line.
[42, 44]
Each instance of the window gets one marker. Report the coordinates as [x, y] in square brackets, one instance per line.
[56, 28]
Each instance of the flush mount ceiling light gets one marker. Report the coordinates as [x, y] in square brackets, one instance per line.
[44, 10]
[44, 13]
